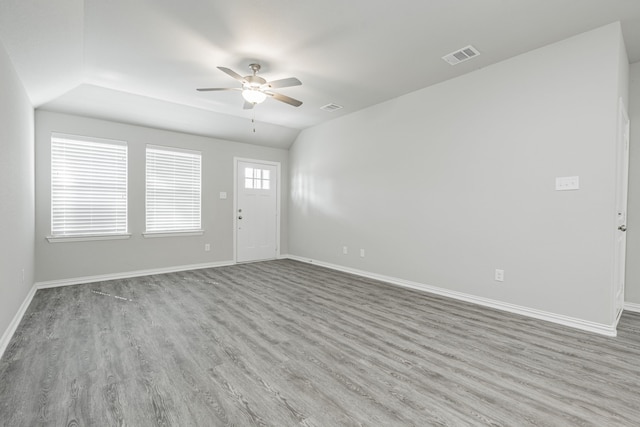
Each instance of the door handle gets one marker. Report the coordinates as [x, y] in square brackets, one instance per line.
[622, 228]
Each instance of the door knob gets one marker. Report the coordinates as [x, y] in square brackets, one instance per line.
[240, 217]
[622, 228]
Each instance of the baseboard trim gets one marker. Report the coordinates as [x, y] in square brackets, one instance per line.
[128, 275]
[8, 333]
[585, 325]
[631, 306]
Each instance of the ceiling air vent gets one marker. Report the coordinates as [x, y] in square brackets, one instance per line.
[461, 55]
[331, 107]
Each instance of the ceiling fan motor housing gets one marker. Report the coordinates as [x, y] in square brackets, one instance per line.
[253, 82]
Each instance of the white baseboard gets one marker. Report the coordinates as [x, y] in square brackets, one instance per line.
[585, 325]
[631, 306]
[8, 333]
[128, 275]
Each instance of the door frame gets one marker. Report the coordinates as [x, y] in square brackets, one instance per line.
[277, 165]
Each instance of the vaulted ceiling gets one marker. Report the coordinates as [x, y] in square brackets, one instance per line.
[140, 61]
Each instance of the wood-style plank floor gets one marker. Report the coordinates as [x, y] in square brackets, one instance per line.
[284, 343]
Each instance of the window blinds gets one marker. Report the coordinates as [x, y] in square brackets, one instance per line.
[88, 186]
[172, 190]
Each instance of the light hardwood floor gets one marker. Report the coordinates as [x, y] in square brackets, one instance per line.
[284, 343]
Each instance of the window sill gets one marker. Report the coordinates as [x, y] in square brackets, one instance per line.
[87, 238]
[148, 235]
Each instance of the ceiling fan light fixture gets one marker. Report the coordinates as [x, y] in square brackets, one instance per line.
[253, 96]
[256, 89]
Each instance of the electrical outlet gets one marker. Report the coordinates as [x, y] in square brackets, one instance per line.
[362, 253]
[207, 247]
[345, 250]
[499, 275]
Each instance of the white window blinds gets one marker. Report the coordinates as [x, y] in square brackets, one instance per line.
[88, 186]
[173, 190]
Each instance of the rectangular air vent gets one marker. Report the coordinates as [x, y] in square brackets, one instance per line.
[331, 107]
[461, 55]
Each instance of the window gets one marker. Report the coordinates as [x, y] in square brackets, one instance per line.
[255, 178]
[88, 187]
[173, 190]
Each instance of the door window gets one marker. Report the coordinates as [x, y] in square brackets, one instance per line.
[257, 179]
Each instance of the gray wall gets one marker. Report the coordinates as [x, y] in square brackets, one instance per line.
[444, 185]
[632, 286]
[16, 192]
[56, 261]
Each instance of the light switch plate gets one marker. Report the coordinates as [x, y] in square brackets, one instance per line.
[564, 183]
[223, 194]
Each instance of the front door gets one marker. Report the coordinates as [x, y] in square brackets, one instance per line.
[256, 210]
[621, 208]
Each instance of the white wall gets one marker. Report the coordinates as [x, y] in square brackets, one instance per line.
[57, 261]
[446, 184]
[632, 286]
[16, 192]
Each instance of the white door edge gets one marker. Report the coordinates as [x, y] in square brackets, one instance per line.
[621, 169]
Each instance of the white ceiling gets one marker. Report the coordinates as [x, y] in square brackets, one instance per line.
[140, 61]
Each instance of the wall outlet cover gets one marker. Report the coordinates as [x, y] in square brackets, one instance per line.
[564, 183]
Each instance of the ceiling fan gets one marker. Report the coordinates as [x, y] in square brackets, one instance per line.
[255, 89]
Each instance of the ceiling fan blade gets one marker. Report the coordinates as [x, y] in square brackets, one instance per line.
[248, 105]
[208, 89]
[291, 81]
[283, 98]
[232, 74]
